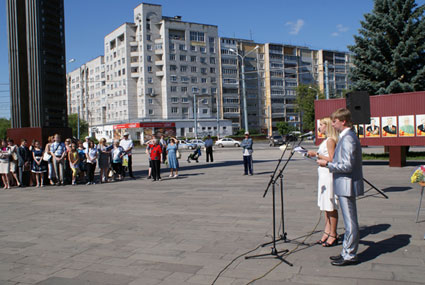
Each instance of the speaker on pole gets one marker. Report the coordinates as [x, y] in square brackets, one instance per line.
[359, 105]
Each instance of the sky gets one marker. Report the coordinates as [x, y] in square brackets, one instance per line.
[325, 24]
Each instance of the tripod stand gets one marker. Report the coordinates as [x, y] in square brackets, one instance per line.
[272, 182]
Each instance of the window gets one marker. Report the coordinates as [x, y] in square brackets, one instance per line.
[212, 70]
[203, 60]
[174, 99]
[149, 58]
[150, 80]
[149, 47]
[203, 70]
[184, 79]
[148, 37]
[185, 99]
[173, 67]
[211, 40]
[194, 79]
[197, 36]
[150, 112]
[213, 90]
[213, 80]
[202, 49]
[229, 71]
[150, 69]
[174, 110]
[193, 69]
[195, 89]
[203, 80]
[193, 58]
[150, 101]
[204, 111]
[172, 47]
[183, 68]
[172, 57]
[182, 57]
[230, 81]
[173, 78]
[173, 88]
[193, 48]
[182, 47]
[185, 110]
[212, 60]
[183, 89]
[204, 91]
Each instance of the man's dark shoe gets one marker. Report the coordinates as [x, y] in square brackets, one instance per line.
[335, 257]
[343, 262]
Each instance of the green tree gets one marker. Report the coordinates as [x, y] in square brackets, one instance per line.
[389, 52]
[306, 94]
[4, 125]
[73, 124]
[285, 128]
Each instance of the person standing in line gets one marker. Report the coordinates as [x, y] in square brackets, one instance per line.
[14, 161]
[74, 160]
[51, 174]
[104, 156]
[82, 161]
[247, 154]
[209, 148]
[91, 157]
[117, 154]
[23, 162]
[163, 144]
[5, 164]
[326, 198]
[347, 182]
[156, 151]
[149, 145]
[173, 162]
[66, 165]
[58, 152]
[38, 164]
[86, 142]
[127, 145]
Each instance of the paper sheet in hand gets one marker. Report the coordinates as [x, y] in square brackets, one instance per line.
[300, 150]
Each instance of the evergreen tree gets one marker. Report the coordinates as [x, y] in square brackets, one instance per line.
[389, 52]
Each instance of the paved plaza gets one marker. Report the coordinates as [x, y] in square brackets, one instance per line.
[186, 230]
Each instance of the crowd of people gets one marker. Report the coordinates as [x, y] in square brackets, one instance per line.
[60, 163]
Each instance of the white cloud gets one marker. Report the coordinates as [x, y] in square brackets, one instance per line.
[295, 27]
[340, 29]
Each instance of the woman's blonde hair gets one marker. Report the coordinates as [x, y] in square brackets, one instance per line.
[102, 141]
[330, 131]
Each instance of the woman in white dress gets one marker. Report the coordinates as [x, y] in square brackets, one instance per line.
[5, 154]
[326, 199]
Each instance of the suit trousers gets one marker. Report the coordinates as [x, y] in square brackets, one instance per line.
[247, 164]
[209, 152]
[352, 235]
[58, 167]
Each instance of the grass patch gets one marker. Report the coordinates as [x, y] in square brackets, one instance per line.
[411, 155]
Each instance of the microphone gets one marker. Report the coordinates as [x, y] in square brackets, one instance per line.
[306, 134]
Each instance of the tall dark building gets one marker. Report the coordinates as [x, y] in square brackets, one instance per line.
[36, 36]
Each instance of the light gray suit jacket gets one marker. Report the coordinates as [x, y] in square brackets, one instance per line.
[347, 166]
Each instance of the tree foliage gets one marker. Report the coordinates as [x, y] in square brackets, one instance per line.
[389, 52]
[4, 125]
[285, 128]
[306, 94]
[73, 124]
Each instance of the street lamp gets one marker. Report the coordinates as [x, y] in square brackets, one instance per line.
[317, 93]
[245, 113]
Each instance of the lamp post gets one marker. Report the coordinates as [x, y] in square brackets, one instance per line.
[245, 113]
[195, 115]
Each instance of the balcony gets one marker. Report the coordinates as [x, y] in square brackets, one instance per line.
[134, 44]
[159, 73]
[134, 53]
[158, 41]
[159, 51]
[134, 64]
[159, 62]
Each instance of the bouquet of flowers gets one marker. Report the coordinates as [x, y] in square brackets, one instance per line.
[418, 175]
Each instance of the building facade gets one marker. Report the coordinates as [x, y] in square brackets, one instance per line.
[36, 38]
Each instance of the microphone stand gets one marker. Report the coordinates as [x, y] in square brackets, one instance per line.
[273, 180]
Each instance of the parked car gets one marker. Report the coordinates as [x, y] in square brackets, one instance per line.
[185, 145]
[227, 142]
[276, 140]
[197, 142]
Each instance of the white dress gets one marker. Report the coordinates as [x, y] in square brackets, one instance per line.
[326, 200]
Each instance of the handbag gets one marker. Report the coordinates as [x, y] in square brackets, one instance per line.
[46, 156]
[125, 161]
[178, 154]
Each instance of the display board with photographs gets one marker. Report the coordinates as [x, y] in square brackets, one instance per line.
[319, 135]
[373, 129]
[389, 126]
[420, 125]
[359, 129]
[406, 126]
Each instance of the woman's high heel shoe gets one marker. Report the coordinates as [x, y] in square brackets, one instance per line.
[334, 243]
[323, 241]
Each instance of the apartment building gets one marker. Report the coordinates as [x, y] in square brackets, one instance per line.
[159, 69]
[272, 72]
[86, 92]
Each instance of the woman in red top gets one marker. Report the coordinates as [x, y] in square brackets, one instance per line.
[156, 151]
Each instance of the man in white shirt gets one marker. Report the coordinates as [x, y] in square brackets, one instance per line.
[86, 143]
[127, 145]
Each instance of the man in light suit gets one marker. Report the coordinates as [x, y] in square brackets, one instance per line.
[348, 183]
